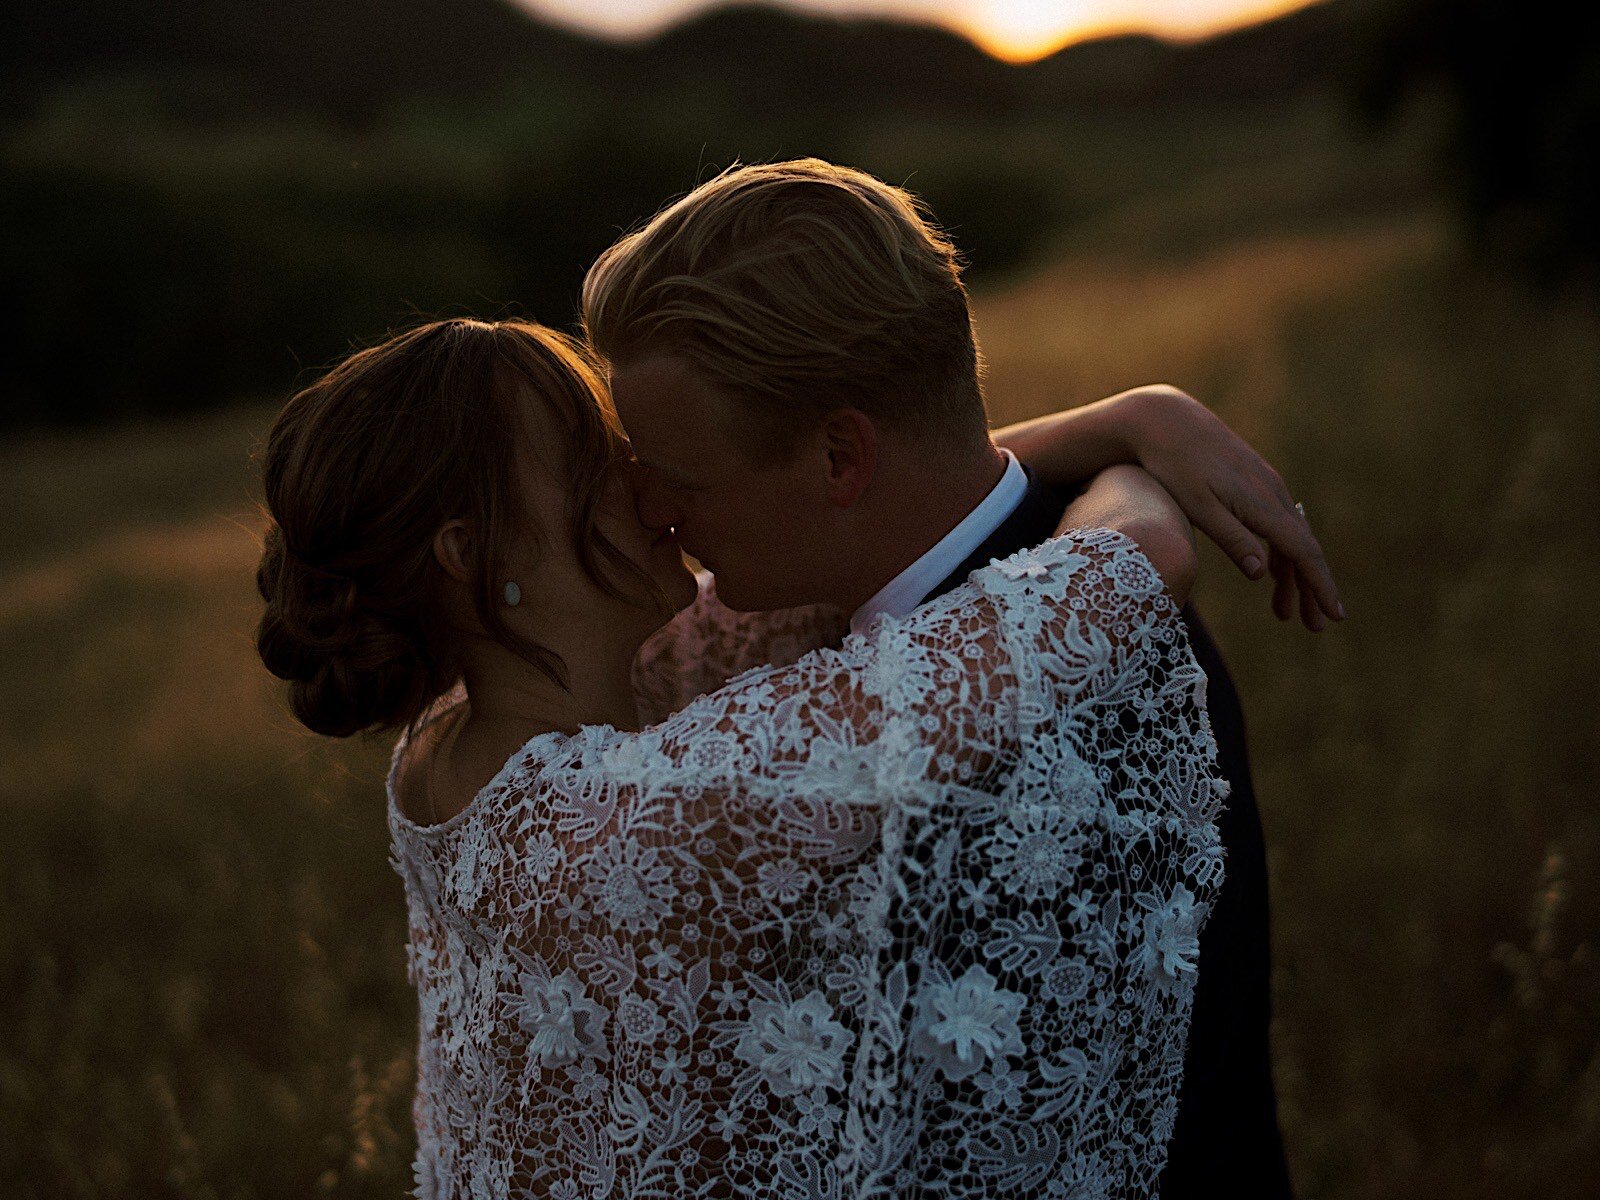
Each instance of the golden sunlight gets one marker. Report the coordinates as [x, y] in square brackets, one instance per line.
[1023, 31]
[1015, 30]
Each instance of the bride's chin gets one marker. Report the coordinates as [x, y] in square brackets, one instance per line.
[681, 588]
[674, 577]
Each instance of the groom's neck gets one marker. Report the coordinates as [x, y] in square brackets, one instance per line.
[917, 498]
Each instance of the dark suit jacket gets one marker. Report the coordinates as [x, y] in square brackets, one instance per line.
[1226, 1140]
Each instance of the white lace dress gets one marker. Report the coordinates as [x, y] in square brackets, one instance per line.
[913, 917]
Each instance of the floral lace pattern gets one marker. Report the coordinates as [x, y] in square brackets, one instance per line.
[708, 644]
[912, 917]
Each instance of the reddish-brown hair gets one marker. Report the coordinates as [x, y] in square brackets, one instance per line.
[362, 468]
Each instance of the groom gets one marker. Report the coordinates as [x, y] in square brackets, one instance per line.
[792, 357]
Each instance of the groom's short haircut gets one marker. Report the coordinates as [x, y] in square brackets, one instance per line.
[796, 288]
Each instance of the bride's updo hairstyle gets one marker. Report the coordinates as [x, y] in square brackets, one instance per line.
[362, 468]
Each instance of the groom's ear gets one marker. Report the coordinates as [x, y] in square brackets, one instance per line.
[851, 442]
[453, 550]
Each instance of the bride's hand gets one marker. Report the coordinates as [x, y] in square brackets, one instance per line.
[1224, 487]
[1235, 497]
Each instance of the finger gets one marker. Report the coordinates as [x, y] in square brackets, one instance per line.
[1266, 508]
[1246, 550]
[1287, 532]
[1282, 587]
[1279, 488]
[1312, 573]
[1310, 615]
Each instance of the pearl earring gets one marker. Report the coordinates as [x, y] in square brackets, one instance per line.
[513, 595]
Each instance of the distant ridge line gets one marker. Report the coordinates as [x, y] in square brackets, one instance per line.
[354, 60]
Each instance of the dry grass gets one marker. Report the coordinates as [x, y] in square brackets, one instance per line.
[1425, 771]
[1091, 325]
[203, 986]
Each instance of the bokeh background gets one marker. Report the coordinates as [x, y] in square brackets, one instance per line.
[1364, 231]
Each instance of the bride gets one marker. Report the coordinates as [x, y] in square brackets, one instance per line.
[936, 883]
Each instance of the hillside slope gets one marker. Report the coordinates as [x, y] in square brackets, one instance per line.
[351, 60]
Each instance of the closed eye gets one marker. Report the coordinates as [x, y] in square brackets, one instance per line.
[670, 478]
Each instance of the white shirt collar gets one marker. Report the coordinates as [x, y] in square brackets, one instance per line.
[906, 590]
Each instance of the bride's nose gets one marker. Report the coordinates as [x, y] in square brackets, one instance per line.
[651, 500]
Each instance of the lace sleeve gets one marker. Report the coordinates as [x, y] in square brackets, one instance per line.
[707, 644]
[912, 917]
[1050, 888]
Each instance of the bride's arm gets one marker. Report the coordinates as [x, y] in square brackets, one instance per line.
[1197, 470]
[1228, 490]
[832, 908]
[1129, 500]
[1035, 747]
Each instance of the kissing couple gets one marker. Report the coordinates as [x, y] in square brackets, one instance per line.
[905, 850]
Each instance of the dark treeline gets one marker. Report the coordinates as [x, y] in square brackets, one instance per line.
[355, 60]
[201, 200]
[1521, 145]
[204, 199]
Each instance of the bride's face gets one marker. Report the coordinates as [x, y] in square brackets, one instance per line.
[656, 552]
[559, 600]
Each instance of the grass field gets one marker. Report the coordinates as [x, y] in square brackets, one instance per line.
[203, 991]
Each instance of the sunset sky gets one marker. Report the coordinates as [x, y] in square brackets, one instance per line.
[1014, 29]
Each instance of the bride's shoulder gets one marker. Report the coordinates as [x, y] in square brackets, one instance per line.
[413, 746]
[1093, 584]
[1085, 556]
[1085, 571]
[422, 804]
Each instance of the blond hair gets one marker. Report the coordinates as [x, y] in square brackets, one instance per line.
[799, 287]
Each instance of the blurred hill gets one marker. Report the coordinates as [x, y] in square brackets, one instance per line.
[354, 59]
[205, 198]
[345, 59]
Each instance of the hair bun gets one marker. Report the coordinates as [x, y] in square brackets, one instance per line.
[361, 470]
[349, 667]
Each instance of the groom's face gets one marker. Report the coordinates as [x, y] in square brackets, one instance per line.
[760, 528]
